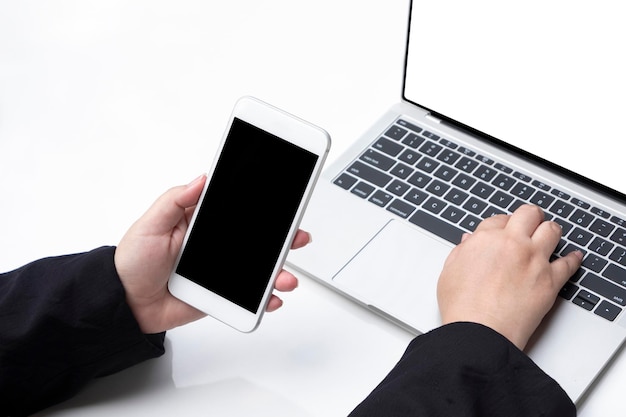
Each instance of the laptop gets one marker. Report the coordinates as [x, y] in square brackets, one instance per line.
[502, 104]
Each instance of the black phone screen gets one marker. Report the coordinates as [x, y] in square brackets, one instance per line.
[246, 213]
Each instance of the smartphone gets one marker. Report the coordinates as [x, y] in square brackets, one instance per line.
[241, 230]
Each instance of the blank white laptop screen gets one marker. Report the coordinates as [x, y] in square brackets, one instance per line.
[559, 70]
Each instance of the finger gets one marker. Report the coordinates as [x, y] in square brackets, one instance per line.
[286, 281]
[498, 221]
[526, 219]
[547, 236]
[301, 239]
[170, 208]
[566, 266]
[274, 304]
[189, 195]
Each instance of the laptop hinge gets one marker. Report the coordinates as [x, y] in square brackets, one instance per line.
[432, 118]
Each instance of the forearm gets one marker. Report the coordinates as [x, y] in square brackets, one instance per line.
[63, 322]
[465, 369]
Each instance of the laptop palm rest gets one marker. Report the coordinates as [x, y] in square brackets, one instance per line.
[396, 274]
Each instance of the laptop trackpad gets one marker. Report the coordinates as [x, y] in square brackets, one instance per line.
[397, 273]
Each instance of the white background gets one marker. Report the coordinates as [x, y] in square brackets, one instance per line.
[105, 105]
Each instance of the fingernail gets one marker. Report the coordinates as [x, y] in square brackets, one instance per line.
[198, 179]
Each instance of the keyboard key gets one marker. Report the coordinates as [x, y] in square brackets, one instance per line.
[408, 125]
[516, 204]
[453, 214]
[484, 159]
[577, 275]
[619, 256]
[362, 189]
[482, 190]
[521, 177]
[413, 141]
[419, 179]
[618, 221]
[580, 236]
[430, 148]
[503, 168]
[475, 205]
[456, 196]
[599, 212]
[571, 248]
[380, 198]
[491, 211]
[416, 196]
[427, 165]
[504, 182]
[438, 188]
[446, 173]
[523, 191]
[464, 181]
[430, 135]
[447, 143]
[466, 151]
[387, 146]
[434, 205]
[401, 170]
[541, 185]
[586, 295]
[448, 157]
[485, 173]
[615, 274]
[601, 227]
[409, 156]
[377, 159]
[467, 164]
[561, 208]
[583, 303]
[401, 208]
[395, 132]
[604, 288]
[565, 226]
[502, 200]
[594, 263]
[398, 187]
[568, 291]
[607, 310]
[601, 246]
[542, 199]
[619, 236]
[470, 222]
[437, 226]
[560, 194]
[581, 218]
[369, 174]
[582, 204]
[345, 181]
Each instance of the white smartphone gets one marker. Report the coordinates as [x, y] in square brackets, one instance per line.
[249, 211]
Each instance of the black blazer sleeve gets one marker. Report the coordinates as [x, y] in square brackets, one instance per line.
[63, 322]
[463, 370]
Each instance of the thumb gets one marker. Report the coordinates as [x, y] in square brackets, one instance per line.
[171, 207]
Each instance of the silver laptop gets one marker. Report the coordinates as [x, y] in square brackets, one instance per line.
[502, 104]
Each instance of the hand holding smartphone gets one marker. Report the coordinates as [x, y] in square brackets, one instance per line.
[262, 177]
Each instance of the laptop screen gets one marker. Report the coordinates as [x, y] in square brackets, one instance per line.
[547, 77]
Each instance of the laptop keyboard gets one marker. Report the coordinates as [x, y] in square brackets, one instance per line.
[448, 189]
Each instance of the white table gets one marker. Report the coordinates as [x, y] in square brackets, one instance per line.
[105, 105]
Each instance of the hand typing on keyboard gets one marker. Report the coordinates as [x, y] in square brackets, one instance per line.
[501, 275]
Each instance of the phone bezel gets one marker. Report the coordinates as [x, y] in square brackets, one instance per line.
[294, 130]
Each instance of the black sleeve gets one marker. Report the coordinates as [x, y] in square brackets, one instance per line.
[465, 370]
[63, 322]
